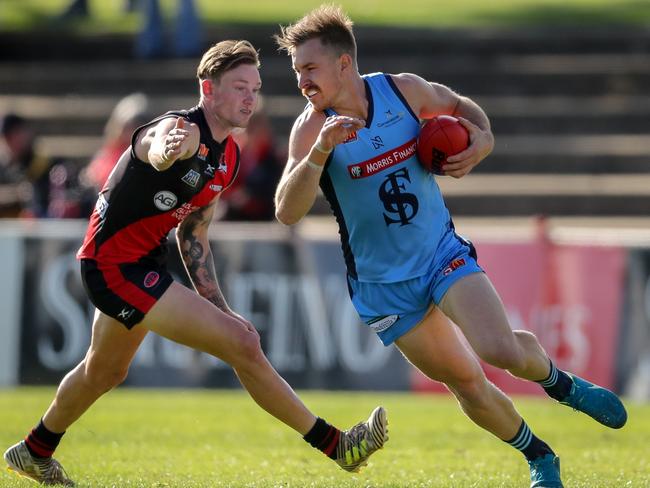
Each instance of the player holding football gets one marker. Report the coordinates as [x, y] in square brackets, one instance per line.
[172, 176]
[408, 271]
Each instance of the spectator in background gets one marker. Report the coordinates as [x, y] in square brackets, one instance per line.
[24, 173]
[150, 42]
[187, 38]
[250, 197]
[78, 9]
[130, 112]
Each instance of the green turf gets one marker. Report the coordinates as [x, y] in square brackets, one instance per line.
[175, 438]
[108, 15]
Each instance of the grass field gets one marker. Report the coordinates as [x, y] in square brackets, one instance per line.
[107, 16]
[176, 438]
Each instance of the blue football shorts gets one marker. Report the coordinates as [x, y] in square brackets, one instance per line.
[392, 309]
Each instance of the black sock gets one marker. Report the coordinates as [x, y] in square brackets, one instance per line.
[323, 437]
[529, 444]
[42, 442]
[557, 384]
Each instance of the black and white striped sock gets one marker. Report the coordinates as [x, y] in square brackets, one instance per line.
[557, 384]
[529, 444]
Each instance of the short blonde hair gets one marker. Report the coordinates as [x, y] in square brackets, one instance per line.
[224, 56]
[329, 23]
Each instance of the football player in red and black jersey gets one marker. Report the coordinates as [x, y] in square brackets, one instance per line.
[171, 176]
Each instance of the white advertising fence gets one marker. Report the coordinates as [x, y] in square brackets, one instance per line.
[588, 302]
[308, 326]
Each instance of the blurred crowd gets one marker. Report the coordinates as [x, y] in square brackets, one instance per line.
[36, 185]
[32, 184]
[153, 39]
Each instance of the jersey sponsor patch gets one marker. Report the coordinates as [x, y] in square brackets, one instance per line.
[184, 210]
[203, 152]
[151, 279]
[165, 200]
[380, 324]
[351, 138]
[383, 161]
[390, 118]
[191, 178]
[453, 266]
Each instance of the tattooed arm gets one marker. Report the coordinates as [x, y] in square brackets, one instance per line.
[192, 237]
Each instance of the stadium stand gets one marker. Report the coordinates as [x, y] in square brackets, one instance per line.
[569, 108]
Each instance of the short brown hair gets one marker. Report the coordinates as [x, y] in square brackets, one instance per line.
[224, 56]
[329, 23]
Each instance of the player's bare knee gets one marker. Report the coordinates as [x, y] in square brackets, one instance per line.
[248, 350]
[470, 390]
[103, 378]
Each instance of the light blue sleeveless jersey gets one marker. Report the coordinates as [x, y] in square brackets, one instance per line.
[390, 211]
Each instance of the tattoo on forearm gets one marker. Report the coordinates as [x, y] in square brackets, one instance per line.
[200, 265]
[196, 250]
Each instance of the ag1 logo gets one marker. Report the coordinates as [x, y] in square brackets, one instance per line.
[164, 200]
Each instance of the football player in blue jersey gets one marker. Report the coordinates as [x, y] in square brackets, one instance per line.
[409, 274]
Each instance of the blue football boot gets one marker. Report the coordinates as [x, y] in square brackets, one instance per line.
[599, 403]
[545, 472]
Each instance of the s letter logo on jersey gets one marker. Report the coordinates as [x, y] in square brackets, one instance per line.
[203, 152]
[396, 201]
[164, 200]
[151, 279]
[191, 178]
[380, 324]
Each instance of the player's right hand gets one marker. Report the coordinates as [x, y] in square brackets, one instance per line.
[173, 146]
[336, 129]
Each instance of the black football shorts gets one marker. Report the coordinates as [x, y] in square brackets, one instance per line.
[126, 291]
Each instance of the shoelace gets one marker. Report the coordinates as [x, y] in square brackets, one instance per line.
[52, 471]
[539, 469]
[353, 438]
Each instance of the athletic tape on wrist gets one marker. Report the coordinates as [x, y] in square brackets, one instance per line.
[313, 165]
[321, 149]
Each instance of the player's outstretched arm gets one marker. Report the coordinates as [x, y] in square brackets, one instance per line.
[167, 141]
[312, 139]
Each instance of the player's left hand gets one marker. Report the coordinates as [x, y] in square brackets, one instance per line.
[249, 326]
[481, 143]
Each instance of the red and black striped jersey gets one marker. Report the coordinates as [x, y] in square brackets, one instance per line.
[138, 206]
